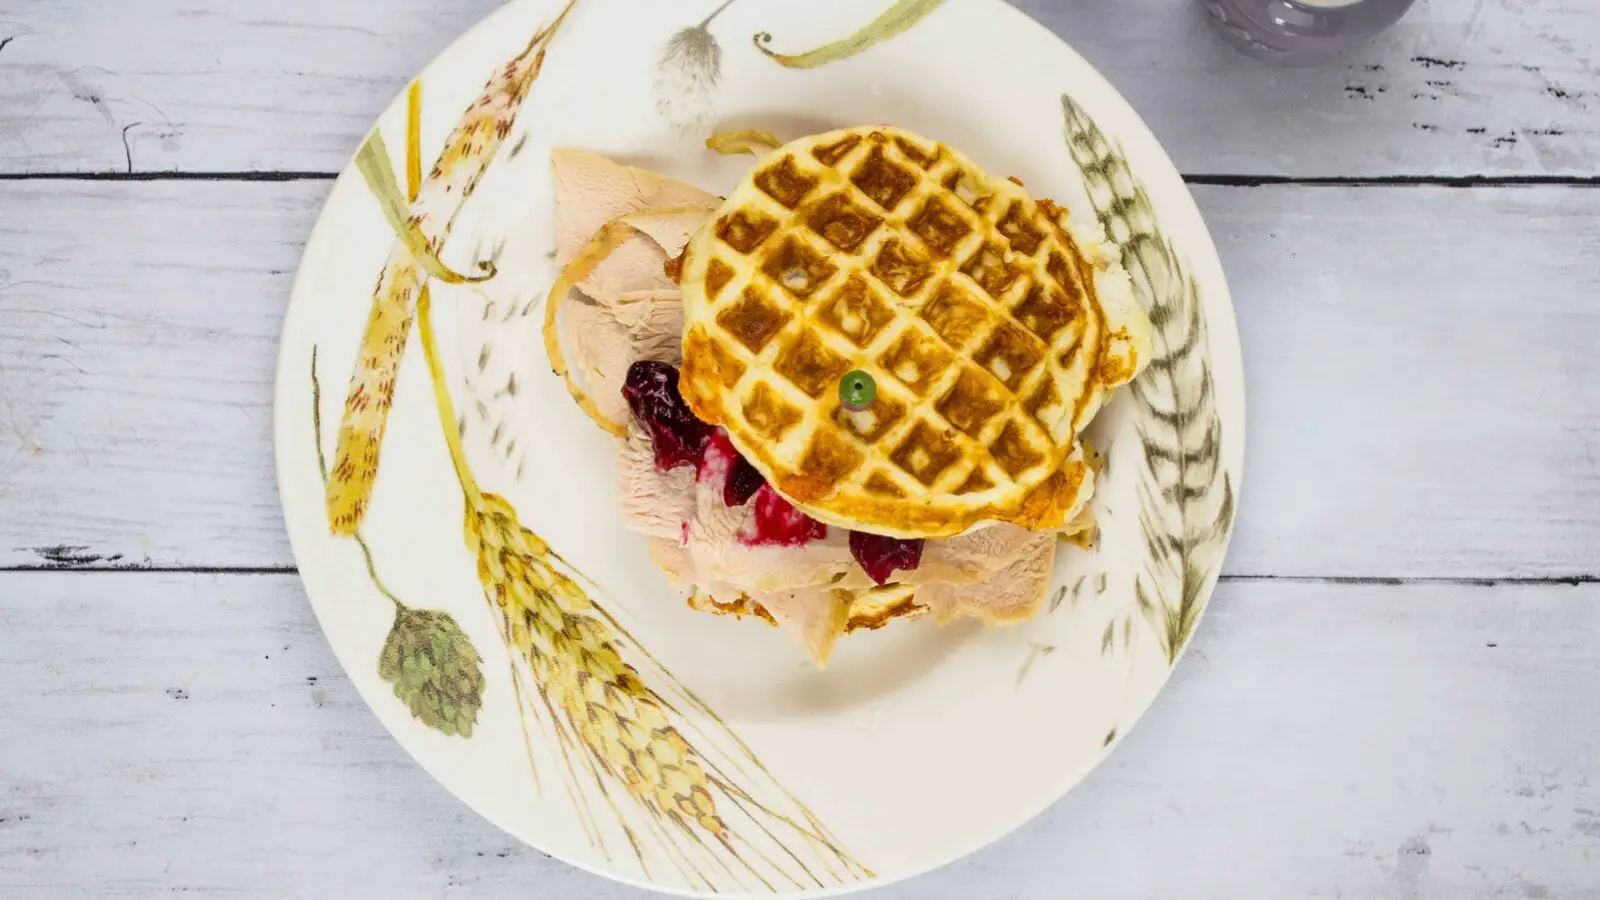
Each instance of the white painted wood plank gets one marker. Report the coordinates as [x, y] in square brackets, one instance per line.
[1497, 87]
[1423, 372]
[192, 733]
[138, 337]
[1422, 376]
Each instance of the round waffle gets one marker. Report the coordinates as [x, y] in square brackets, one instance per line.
[992, 332]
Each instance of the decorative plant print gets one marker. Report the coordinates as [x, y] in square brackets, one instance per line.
[1081, 588]
[1036, 652]
[1186, 509]
[700, 803]
[651, 772]
[454, 177]
[895, 20]
[434, 670]
[372, 161]
[688, 72]
[428, 660]
[493, 395]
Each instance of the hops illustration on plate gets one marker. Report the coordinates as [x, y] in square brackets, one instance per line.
[434, 670]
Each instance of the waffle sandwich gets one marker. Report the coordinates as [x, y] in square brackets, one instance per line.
[992, 334]
[992, 331]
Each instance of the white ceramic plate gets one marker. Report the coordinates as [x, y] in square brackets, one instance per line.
[728, 763]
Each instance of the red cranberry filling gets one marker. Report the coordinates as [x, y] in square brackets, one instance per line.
[723, 465]
[716, 460]
[779, 524]
[743, 482]
[880, 556]
[679, 439]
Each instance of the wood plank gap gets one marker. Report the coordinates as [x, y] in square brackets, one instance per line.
[136, 568]
[1389, 581]
[1361, 580]
[169, 176]
[1456, 181]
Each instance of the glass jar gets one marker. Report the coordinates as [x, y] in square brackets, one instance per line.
[1302, 31]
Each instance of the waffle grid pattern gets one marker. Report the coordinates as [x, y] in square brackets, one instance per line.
[957, 292]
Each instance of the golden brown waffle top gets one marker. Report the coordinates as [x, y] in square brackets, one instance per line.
[993, 336]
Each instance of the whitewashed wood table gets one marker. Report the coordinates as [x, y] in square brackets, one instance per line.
[1397, 693]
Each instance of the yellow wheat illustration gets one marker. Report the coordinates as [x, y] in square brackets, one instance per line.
[427, 659]
[432, 213]
[688, 803]
[680, 789]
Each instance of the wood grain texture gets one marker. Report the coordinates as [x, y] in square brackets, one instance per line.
[1493, 87]
[138, 337]
[193, 733]
[1423, 370]
[1424, 399]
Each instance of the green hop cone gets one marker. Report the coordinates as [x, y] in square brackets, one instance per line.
[434, 669]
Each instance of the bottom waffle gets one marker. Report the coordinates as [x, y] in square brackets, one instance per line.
[869, 610]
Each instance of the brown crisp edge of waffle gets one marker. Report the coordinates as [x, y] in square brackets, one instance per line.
[906, 608]
[1089, 272]
[1047, 506]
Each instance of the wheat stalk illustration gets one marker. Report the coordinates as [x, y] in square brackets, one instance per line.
[895, 20]
[681, 789]
[1187, 502]
[427, 659]
[431, 213]
[615, 733]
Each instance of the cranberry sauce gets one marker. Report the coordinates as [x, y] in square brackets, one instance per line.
[881, 556]
[779, 524]
[723, 465]
[679, 438]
